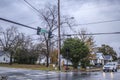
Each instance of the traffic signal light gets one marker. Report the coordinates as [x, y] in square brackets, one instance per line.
[50, 34]
[38, 30]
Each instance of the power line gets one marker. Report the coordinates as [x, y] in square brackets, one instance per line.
[17, 23]
[77, 24]
[93, 34]
[62, 35]
[32, 6]
[100, 22]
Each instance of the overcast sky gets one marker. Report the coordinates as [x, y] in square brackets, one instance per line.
[84, 11]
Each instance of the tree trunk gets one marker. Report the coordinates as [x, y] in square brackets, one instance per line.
[75, 65]
[47, 55]
[10, 58]
[47, 61]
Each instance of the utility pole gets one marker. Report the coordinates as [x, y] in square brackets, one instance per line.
[59, 37]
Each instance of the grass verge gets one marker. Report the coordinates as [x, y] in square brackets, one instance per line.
[26, 66]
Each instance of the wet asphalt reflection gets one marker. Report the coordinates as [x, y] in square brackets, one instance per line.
[23, 74]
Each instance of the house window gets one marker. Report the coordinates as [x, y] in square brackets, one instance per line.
[4, 59]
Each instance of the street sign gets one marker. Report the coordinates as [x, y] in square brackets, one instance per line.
[43, 31]
[40, 30]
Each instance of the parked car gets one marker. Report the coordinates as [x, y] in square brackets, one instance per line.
[110, 66]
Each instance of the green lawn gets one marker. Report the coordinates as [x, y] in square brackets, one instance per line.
[34, 67]
[26, 66]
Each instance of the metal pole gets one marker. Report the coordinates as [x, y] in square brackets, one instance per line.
[67, 58]
[59, 42]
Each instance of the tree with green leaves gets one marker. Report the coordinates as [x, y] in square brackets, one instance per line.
[78, 51]
[107, 50]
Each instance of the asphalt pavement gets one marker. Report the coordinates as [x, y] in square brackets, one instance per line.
[25, 74]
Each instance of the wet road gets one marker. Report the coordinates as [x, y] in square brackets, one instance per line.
[23, 74]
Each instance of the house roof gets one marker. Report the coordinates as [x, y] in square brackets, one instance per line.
[107, 57]
[96, 56]
[3, 52]
[99, 56]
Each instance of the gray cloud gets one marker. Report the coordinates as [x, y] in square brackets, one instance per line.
[3, 3]
[84, 11]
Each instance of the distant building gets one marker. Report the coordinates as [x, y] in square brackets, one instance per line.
[4, 57]
[65, 61]
[97, 59]
[107, 58]
[42, 60]
[100, 58]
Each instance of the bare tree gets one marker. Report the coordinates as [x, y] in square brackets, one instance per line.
[17, 44]
[8, 39]
[49, 16]
[25, 50]
[40, 50]
[49, 19]
[88, 39]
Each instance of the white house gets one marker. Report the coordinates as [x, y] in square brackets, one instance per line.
[4, 57]
[99, 59]
[42, 60]
[65, 61]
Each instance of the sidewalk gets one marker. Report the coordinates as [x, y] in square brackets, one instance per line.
[89, 70]
[93, 69]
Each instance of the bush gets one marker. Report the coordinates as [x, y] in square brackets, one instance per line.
[85, 63]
